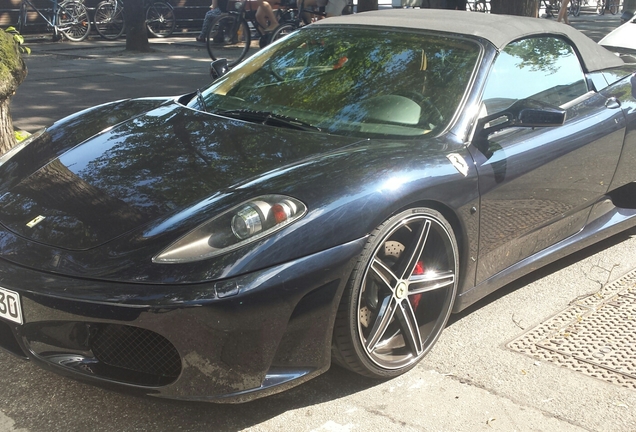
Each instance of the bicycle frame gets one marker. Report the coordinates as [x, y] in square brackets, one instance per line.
[68, 18]
[23, 21]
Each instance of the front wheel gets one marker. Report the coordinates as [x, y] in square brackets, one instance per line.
[575, 8]
[282, 31]
[399, 296]
[614, 6]
[72, 20]
[481, 6]
[160, 19]
[109, 19]
[229, 39]
[600, 7]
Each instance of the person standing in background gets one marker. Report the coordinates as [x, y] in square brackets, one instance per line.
[563, 12]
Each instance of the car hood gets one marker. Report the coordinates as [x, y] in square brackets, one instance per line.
[155, 163]
[621, 38]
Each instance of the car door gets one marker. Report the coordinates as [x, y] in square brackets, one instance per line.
[537, 185]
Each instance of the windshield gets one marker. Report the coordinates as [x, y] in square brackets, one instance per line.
[349, 81]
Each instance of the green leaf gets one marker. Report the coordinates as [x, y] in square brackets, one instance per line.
[21, 135]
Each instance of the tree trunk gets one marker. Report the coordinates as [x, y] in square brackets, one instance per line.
[367, 5]
[136, 33]
[7, 137]
[515, 7]
[12, 73]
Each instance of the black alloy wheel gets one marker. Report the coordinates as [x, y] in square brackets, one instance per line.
[399, 296]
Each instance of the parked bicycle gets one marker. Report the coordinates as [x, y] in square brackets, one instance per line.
[551, 8]
[67, 19]
[160, 18]
[110, 20]
[574, 8]
[232, 33]
[479, 6]
[612, 5]
[303, 17]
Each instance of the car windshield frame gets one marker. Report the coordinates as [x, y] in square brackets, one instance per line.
[351, 80]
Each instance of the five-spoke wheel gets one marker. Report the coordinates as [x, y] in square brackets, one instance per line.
[399, 296]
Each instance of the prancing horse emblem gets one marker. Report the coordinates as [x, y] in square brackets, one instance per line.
[459, 163]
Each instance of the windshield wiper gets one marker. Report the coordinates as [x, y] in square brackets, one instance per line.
[269, 118]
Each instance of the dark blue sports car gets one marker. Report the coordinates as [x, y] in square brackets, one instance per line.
[336, 196]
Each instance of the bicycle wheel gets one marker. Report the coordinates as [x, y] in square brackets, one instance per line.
[109, 19]
[614, 6]
[575, 8]
[160, 19]
[229, 39]
[600, 7]
[72, 20]
[283, 30]
[480, 6]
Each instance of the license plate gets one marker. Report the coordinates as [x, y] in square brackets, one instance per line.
[10, 305]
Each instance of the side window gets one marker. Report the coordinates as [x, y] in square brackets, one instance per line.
[540, 68]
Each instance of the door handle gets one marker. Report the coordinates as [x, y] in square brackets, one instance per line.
[612, 103]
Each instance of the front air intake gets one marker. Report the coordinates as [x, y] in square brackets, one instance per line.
[136, 349]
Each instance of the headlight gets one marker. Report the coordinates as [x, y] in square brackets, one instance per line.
[237, 227]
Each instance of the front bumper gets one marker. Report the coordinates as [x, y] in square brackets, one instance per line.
[231, 341]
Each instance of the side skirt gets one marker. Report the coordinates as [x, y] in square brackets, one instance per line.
[613, 222]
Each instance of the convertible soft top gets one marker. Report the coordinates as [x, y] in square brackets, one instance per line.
[500, 30]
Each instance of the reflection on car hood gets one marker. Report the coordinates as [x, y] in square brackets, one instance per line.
[143, 168]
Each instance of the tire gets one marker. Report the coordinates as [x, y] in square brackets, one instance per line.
[160, 19]
[72, 20]
[227, 40]
[480, 6]
[109, 19]
[399, 296]
[600, 7]
[575, 8]
[282, 31]
[614, 6]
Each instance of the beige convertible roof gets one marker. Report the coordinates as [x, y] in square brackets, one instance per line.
[500, 30]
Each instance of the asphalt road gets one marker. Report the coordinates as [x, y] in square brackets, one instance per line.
[471, 381]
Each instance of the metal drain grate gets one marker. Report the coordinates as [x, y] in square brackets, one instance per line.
[595, 335]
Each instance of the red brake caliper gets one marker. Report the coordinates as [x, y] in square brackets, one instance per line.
[419, 270]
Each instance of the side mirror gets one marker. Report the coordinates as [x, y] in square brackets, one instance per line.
[218, 68]
[523, 113]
